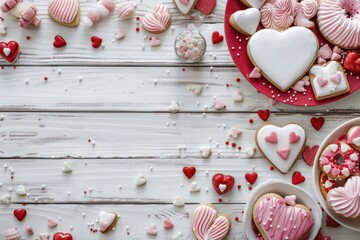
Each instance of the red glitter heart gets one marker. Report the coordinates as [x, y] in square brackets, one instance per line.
[309, 154]
[220, 179]
[96, 41]
[205, 6]
[352, 62]
[9, 51]
[251, 177]
[62, 236]
[20, 214]
[317, 122]
[331, 222]
[59, 41]
[297, 178]
[217, 37]
[264, 114]
[189, 171]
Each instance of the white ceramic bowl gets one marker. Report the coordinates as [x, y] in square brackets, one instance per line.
[353, 224]
[284, 189]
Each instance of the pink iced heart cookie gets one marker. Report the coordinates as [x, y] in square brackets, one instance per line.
[158, 20]
[107, 221]
[281, 145]
[207, 224]
[185, 6]
[294, 221]
[65, 12]
[346, 200]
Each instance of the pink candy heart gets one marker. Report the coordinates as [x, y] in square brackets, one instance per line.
[219, 104]
[321, 81]
[168, 224]
[52, 223]
[235, 133]
[336, 78]
[306, 80]
[299, 86]
[119, 34]
[290, 200]
[271, 138]
[184, 2]
[335, 56]
[104, 225]
[321, 61]
[155, 42]
[255, 73]
[151, 230]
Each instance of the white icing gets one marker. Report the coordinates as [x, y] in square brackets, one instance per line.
[326, 72]
[222, 187]
[254, 3]
[7, 51]
[283, 57]
[247, 20]
[106, 217]
[270, 149]
[345, 172]
[344, 148]
[327, 168]
[354, 157]
[356, 141]
[328, 184]
[185, 9]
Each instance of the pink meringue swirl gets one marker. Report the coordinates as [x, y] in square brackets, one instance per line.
[339, 22]
[64, 10]
[346, 200]
[278, 15]
[304, 11]
[158, 20]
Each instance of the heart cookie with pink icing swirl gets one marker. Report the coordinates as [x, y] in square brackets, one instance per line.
[65, 12]
[208, 225]
[157, 21]
[275, 219]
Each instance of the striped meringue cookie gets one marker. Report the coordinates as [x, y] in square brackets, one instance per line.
[157, 21]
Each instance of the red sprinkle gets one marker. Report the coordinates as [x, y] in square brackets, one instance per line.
[219, 200]
[271, 168]
[137, 19]
[137, 29]
[45, 78]
[23, 203]
[227, 85]
[239, 186]
[14, 67]
[251, 120]
[28, 37]
[184, 69]
[233, 145]
[227, 143]
[250, 188]
[12, 177]
[238, 79]
[239, 148]
[236, 219]
[84, 192]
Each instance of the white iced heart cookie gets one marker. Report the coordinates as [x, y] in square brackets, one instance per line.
[283, 57]
[245, 21]
[281, 145]
[107, 221]
[185, 6]
[253, 3]
[328, 81]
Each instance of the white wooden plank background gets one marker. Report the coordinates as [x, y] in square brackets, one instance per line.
[119, 106]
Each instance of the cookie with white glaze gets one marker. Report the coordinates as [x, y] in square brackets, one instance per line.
[245, 21]
[185, 6]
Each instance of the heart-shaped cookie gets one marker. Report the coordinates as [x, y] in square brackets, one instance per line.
[222, 184]
[9, 51]
[281, 145]
[283, 57]
[65, 12]
[157, 21]
[245, 21]
[276, 220]
[207, 224]
[345, 200]
[253, 3]
[107, 221]
[185, 6]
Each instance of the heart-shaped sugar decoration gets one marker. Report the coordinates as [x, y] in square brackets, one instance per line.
[352, 62]
[168, 224]
[317, 122]
[287, 217]
[107, 221]
[217, 37]
[196, 89]
[271, 50]
[67, 168]
[119, 34]
[321, 81]
[44, 236]
[96, 41]
[174, 107]
[297, 178]
[251, 177]
[157, 21]
[20, 214]
[59, 41]
[238, 97]
[290, 200]
[178, 202]
[222, 184]
[299, 86]
[189, 171]
[281, 153]
[293, 138]
[52, 223]
[336, 78]
[207, 224]
[194, 187]
[235, 133]
[151, 230]
[309, 153]
[264, 114]
[62, 236]
[65, 12]
[255, 73]
[335, 57]
[205, 6]
[205, 151]
[5, 199]
[185, 6]
[21, 190]
[3, 29]
[219, 104]
[29, 229]
[9, 51]
[140, 181]
[155, 41]
[246, 21]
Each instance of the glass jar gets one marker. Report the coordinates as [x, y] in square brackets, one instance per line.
[190, 46]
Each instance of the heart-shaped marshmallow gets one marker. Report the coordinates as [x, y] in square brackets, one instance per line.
[246, 21]
[157, 21]
[9, 51]
[285, 149]
[283, 57]
[107, 221]
[65, 12]
[207, 224]
[290, 200]
[222, 184]
[185, 6]
[295, 221]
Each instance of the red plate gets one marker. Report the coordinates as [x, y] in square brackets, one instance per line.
[237, 44]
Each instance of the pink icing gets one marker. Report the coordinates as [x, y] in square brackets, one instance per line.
[284, 153]
[353, 135]
[271, 138]
[206, 225]
[158, 20]
[339, 22]
[12, 234]
[279, 221]
[184, 2]
[125, 10]
[64, 10]
[29, 16]
[9, 4]
[336, 77]
[305, 10]
[321, 81]
[346, 200]
[293, 138]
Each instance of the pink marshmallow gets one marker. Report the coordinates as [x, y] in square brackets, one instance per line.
[9, 4]
[94, 15]
[109, 4]
[29, 17]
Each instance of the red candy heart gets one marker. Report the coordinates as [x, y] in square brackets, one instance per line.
[189, 171]
[309, 154]
[317, 122]
[96, 41]
[251, 177]
[223, 184]
[20, 214]
[205, 6]
[264, 114]
[321, 237]
[297, 178]
[352, 62]
[217, 37]
[59, 41]
[331, 222]
[62, 236]
[9, 51]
